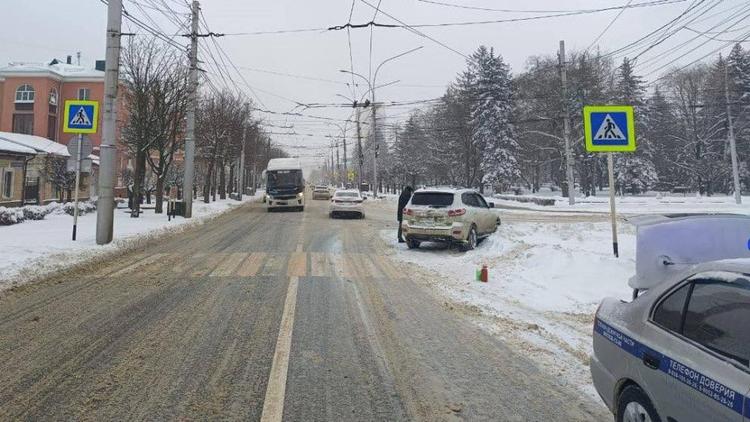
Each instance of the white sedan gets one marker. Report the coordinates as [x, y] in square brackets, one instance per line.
[346, 202]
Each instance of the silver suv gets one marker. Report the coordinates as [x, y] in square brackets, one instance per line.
[459, 216]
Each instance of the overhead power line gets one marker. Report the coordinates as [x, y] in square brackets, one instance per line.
[487, 9]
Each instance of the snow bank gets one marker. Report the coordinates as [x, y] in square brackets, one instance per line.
[36, 248]
[546, 281]
[648, 204]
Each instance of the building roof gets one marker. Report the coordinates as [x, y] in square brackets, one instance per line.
[59, 70]
[38, 144]
[7, 146]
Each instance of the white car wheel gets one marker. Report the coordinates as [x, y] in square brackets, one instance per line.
[471, 240]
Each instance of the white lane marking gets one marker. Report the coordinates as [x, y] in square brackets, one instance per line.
[273, 405]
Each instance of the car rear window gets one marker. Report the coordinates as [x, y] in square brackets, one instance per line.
[347, 194]
[434, 199]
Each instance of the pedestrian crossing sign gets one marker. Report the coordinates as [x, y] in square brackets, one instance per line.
[80, 116]
[609, 128]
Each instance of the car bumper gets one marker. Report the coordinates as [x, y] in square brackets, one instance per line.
[340, 208]
[285, 203]
[321, 196]
[604, 382]
[453, 233]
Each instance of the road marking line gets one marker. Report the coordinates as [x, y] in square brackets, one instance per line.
[368, 267]
[297, 265]
[109, 270]
[274, 265]
[227, 266]
[273, 403]
[251, 265]
[318, 264]
[146, 261]
[386, 267]
[185, 264]
[207, 265]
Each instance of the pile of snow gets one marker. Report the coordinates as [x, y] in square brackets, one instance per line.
[545, 283]
[36, 248]
[15, 215]
[655, 203]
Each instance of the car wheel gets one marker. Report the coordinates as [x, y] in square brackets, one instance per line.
[471, 240]
[634, 406]
[411, 243]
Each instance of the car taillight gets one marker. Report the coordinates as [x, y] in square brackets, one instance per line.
[408, 211]
[456, 213]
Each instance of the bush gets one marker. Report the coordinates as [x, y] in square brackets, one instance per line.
[37, 212]
[83, 207]
[10, 216]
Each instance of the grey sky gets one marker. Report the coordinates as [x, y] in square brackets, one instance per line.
[37, 30]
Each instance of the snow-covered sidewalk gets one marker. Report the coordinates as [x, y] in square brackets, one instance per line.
[546, 281]
[34, 248]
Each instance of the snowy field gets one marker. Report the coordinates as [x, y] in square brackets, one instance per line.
[546, 281]
[34, 248]
[644, 204]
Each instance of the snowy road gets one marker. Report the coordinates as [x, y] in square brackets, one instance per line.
[259, 316]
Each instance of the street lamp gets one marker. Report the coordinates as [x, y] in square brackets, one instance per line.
[372, 86]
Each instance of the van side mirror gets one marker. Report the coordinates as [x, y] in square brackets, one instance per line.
[492, 205]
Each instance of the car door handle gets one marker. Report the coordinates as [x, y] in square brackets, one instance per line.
[651, 361]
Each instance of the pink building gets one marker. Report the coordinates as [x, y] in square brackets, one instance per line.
[32, 96]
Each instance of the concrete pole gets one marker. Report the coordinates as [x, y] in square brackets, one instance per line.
[732, 142]
[108, 152]
[566, 131]
[359, 150]
[376, 146]
[187, 183]
[241, 170]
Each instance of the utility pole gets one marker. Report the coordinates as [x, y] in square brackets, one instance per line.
[566, 131]
[338, 165]
[359, 149]
[375, 146]
[241, 172]
[187, 183]
[108, 152]
[732, 142]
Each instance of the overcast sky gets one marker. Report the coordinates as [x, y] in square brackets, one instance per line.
[38, 30]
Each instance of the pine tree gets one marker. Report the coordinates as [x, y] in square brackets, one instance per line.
[634, 172]
[491, 117]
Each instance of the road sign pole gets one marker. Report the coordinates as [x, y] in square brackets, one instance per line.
[612, 207]
[78, 180]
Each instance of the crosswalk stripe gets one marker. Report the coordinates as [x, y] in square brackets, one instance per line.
[386, 267]
[319, 264]
[250, 266]
[228, 266]
[140, 263]
[188, 262]
[274, 265]
[207, 265]
[109, 270]
[297, 266]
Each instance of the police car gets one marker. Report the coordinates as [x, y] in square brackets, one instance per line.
[679, 351]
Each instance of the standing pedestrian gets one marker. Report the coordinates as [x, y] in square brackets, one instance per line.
[403, 199]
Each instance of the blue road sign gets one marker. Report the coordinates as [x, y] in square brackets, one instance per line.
[81, 116]
[609, 128]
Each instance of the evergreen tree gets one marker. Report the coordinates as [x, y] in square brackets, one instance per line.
[491, 114]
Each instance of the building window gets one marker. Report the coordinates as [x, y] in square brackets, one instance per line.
[25, 94]
[52, 127]
[84, 93]
[53, 101]
[8, 184]
[23, 123]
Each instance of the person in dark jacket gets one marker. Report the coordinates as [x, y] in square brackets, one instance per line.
[403, 199]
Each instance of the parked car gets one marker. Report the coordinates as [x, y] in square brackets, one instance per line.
[457, 216]
[321, 192]
[346, 202]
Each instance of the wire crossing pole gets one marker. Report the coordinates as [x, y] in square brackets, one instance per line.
[187, 182]
[732, 142]
[612, 207]
[78, 181]
[108, 153]
[566, 131]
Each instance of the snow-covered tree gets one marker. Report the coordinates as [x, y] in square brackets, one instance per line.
[491, 117]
